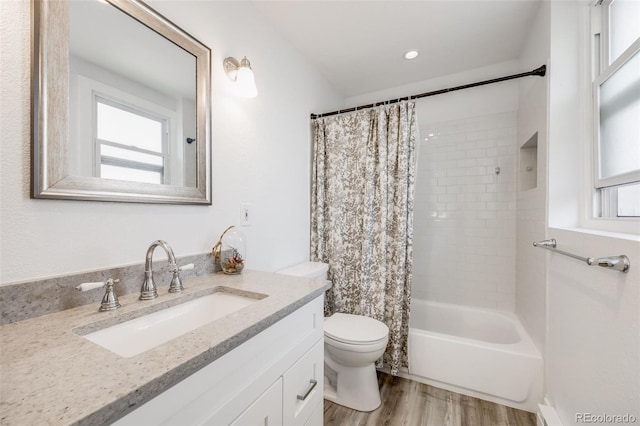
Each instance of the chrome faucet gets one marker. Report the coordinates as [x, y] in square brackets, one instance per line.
[149, 291]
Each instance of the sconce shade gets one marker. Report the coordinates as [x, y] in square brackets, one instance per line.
[242, 74]
[246, 83]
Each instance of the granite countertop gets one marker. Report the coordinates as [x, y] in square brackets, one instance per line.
[50, 374]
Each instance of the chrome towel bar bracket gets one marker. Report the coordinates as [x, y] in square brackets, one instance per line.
[619, 263]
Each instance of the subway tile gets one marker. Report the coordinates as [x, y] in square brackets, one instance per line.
[478, 153]
[458, 171]
[475, 171]
[478, 188]
[447, 198]
[467, 180]
[489, 196]
[478, 205]
[468, 162]
[467, 197]
[447, 180]
[487, 161]
[461, 211]
[487, 215]
[455, 155]
[491, 188]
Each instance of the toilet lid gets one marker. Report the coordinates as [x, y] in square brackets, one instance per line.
[355, 329]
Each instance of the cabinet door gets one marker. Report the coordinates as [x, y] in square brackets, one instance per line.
[265, 411]
[317, 417]
[303, 386]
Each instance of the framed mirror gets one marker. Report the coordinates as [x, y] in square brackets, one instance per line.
[121, 105]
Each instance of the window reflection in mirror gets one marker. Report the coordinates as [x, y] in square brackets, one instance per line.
[131, 144]
[132, 99]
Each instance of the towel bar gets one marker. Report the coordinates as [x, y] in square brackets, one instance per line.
[619, 263]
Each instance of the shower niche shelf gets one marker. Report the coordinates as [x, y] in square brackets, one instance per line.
[528, 174]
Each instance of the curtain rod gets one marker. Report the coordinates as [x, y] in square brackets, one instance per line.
[541, 71]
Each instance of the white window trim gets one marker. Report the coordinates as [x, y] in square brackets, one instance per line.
[134, 109]
[610, 70]
[623, 227]
[86, 87]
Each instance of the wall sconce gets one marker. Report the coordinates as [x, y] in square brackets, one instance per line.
[241, 73]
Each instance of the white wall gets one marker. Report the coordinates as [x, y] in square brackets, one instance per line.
[532, 203]
[593, 321]
[261, 155]
[464, 214]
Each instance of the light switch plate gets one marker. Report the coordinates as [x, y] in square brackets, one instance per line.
[245, 214]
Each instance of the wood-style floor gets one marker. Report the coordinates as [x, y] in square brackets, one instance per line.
[409, 403]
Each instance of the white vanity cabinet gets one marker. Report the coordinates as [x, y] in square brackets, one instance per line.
[268, 380]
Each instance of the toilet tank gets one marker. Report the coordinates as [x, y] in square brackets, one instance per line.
[308, 270]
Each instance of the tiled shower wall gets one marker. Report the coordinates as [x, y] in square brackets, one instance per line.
[465, 212]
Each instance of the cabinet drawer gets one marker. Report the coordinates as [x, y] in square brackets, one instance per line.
[266, 410]
[300, 394]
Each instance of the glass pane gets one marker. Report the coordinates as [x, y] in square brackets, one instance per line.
[127, 154]
[132, 175]
[127, 128]
[620, 120]
[629, 201]
[624, 23]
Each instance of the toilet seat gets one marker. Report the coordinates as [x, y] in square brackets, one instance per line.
[355, 330]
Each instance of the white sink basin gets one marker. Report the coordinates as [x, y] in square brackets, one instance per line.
[141, 334]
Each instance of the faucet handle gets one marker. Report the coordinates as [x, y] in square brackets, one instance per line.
[176, 282]
[90, 286]
[173, 267]
[109, 300]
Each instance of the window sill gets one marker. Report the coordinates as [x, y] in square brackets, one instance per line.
[629, 236]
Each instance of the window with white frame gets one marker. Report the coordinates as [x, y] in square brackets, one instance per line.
[616, 91]
[130, 144]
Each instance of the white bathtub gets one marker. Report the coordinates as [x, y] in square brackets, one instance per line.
[476, 352]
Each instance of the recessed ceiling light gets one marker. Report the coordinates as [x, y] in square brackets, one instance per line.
[411, 54]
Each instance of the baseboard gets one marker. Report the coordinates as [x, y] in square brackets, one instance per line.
[547, 415]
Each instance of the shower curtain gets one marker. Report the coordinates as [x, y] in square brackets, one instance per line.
[362, 216]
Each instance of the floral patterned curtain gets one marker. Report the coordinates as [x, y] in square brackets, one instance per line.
[362, 216]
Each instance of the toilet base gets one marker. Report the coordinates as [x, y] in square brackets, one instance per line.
[352, 387]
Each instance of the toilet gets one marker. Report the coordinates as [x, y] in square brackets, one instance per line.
[352, 344]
